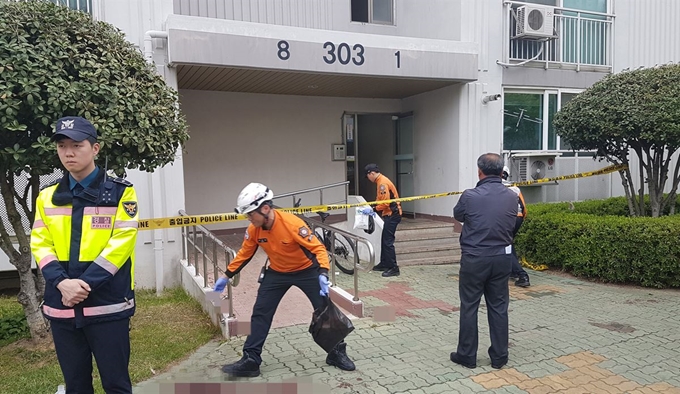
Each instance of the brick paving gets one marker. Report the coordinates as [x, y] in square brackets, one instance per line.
[566, 336]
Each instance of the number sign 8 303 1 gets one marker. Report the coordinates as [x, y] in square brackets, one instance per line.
[341, 53]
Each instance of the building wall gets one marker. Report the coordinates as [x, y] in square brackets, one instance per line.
[646, 33]
[281, 141]
[442, 15]
[159, 193]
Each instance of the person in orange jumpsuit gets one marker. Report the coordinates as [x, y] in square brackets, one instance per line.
[391, 216]
[296, 258]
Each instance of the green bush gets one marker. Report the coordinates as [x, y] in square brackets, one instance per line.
[595, 240]
[12, 321]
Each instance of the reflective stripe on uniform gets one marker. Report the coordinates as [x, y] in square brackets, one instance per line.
[59, 313]
[126, 224]
[38, 224]
[45, 260]
[100, 210]
[58, 211]
[106, 264]
[107, 309]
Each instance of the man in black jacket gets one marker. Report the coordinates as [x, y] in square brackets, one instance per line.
[488, 214]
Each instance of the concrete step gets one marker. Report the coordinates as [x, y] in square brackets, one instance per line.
[453, 259]
[413, 254]
[424, 232]
[419, 248]
[426, 240]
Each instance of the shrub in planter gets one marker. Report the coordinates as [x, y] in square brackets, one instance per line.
[619, 249]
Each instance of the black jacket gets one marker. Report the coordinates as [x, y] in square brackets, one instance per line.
[488, 213]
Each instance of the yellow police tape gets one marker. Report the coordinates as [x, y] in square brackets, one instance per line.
[198, 220]
[535, 267]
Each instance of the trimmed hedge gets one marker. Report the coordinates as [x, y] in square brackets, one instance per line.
[590, 242]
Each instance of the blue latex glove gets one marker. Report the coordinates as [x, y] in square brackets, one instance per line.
[221, 284]
[368, 211]
[323, 281]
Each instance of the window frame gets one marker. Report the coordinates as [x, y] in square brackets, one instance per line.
[545, 93]
[370, 15]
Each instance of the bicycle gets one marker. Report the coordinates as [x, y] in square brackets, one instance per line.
[342, 249]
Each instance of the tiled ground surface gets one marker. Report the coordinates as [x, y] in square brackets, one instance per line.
[566, 336]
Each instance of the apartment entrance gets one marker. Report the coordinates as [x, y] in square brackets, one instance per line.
[383, 139]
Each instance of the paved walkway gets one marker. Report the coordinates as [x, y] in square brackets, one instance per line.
[566, 335]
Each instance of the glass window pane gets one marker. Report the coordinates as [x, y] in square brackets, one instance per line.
[360, 11]
[566, 97]
[523, 121]
[382, 11]
[552, 110]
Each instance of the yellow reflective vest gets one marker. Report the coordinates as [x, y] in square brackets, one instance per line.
[88, 235]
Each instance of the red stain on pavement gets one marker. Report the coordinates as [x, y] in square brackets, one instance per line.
[396, 295]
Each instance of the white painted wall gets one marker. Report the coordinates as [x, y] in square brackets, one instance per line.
[646, 33]
[438, 19]
[160, 193]
[281, 141]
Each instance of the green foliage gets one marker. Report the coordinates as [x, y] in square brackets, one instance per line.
[596, 240]
[57, 62]
[12, 321]
[631, 107]
[165, 330]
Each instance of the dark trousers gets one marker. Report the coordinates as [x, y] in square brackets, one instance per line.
[388, 256]
[486, 276]
[110, 344]
[517, 269]
[272, 289]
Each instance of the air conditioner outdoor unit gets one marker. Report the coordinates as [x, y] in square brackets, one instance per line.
[532, 168]
[535, 22]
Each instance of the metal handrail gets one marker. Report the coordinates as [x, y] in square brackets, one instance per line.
[354, 243]
[320, 189]
[190, 235]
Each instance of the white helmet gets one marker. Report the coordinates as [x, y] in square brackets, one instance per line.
[506, 173]
[251, 197]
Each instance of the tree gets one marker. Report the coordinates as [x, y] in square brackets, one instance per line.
[56, 62]
[632, 111]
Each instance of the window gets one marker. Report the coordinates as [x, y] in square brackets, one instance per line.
[528, 119]
[373, 11]
[77, 5]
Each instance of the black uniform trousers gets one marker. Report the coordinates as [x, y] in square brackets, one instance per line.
[272, 289]
[517, 269]
[388, 256]
[108, 341]
[486, 276]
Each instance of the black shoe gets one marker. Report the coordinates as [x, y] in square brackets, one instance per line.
[523, 281]
[246, 367]
[456, 359]
[379, 268]
[338, 358]
[498, 364]
[394, 271]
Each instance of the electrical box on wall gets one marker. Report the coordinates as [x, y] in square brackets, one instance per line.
[339, 153]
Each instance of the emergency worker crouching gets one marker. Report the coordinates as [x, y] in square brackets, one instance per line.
[297, 258]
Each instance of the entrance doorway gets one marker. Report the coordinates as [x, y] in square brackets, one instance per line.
[383, 139]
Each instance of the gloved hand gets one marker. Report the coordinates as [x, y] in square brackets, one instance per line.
[221, 284]
[323, 281]
[368, 211]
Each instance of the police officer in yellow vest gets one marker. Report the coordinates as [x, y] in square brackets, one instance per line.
[83, 240]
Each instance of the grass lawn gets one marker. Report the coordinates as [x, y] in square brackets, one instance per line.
[165, 330]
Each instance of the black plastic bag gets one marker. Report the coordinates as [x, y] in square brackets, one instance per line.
[329, 325]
